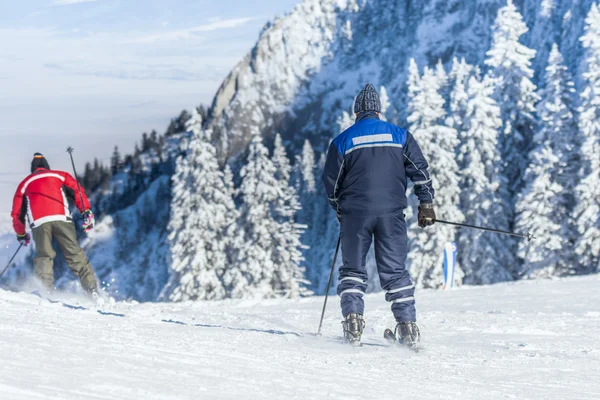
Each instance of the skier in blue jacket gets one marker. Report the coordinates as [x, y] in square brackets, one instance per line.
[365, 180]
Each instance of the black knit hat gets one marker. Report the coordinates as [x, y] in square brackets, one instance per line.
[367, 100]
[39, 161]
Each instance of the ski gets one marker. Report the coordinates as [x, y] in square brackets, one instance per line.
[342, 340]
[82, 304]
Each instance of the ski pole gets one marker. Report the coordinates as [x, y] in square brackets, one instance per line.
[11, 260]
[527, 236]
[337, 250]
[70, 151]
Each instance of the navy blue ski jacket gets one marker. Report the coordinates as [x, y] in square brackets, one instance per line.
[367, 169]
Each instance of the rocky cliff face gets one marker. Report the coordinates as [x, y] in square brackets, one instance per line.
[307, 67]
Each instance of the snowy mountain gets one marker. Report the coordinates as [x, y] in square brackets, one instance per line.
[307, 67]
[525, 340]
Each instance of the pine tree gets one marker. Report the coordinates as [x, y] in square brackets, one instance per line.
[201, 218]
[287, 246]
[483, 256]
[438, 143]
[315, 214]
[171, 129]
[414, 80]
[345, 121]
[287, 204]
[87, 177]
[544, 208]
[153, 138]
[385, 103]
[307, 168]
[459, 76]
[443, 80]
[323, 228]
[414, 89]
[145, 142]
[233, 278]
[228, 180]
[547, 7]
[262, 249]
[115, 161]
[587, 212]
[510, 62]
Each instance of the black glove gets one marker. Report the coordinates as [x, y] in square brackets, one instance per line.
[426, 215]
[24, 239]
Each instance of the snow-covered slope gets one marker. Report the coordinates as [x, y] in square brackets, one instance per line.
[526, 340]
[8, 247]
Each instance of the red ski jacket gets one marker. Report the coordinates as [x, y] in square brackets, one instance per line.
[43, 197]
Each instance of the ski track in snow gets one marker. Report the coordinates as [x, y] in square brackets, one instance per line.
[525, 340]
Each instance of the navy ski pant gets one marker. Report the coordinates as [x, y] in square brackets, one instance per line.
[391, 245]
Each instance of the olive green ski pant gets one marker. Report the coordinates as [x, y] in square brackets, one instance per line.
[66, 238]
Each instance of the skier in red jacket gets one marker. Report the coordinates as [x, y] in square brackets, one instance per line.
[43, 199]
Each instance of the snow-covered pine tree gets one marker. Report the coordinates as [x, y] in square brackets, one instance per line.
[287, 246]
[307, 165]
[228, 181]
[304, 180]
[385, 103]
[483, 256]
[414, 88]
[587, 212]
[438, 143]
[259, 191]
[546, 204]
[259, 255]
[288, 204]
[201, 218]
[458, 77]
[316, 214]
[443, 80]
[233, 279]
[510, 63]
[345, 121]
[413, 80]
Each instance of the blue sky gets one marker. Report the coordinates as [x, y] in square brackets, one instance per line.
[95, 73]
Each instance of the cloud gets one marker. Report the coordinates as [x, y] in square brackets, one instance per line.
[192, 33]
[182, 69]
[71, 2]
[55, 58]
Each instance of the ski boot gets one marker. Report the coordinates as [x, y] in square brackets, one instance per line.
[353, 328]
[408, 334]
